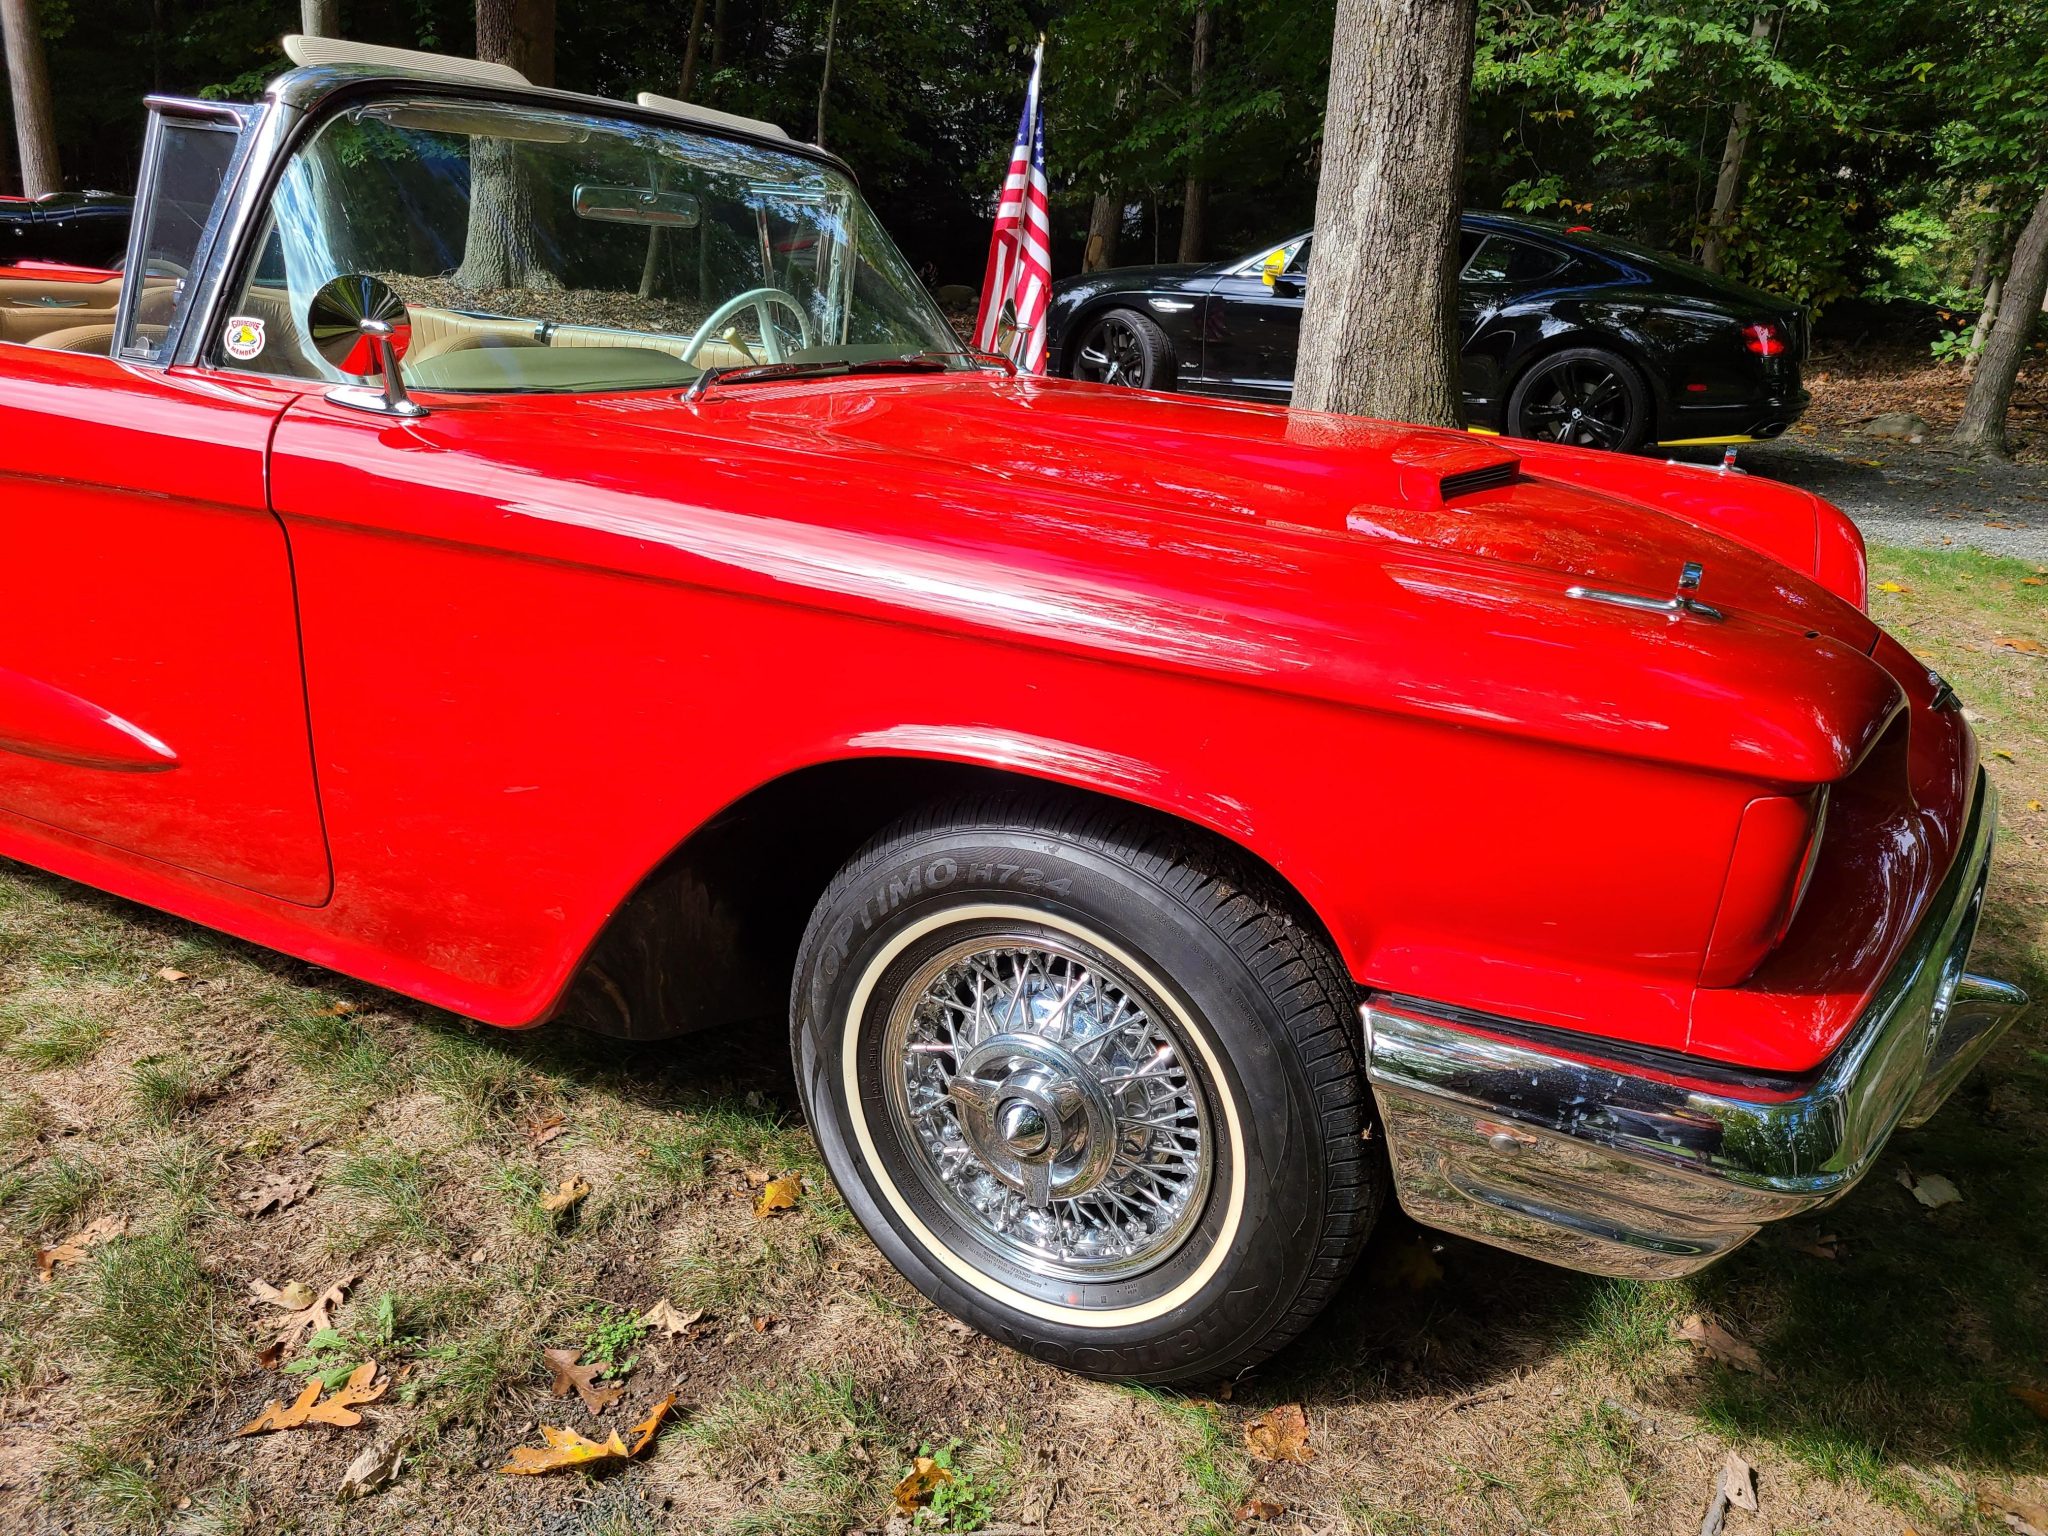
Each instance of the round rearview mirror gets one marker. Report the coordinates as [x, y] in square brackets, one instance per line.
[360, 327]
[347, 316]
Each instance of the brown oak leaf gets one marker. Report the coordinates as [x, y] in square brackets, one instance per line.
[300, 1321]
[337, 1408]
[544, 1130]
[663, 1317]
[580, 1379]
[1718, 1342]
[566, 1448]
[1281, 1435]
[2022, 643]
[74, 1247]
[274, 1192]
[1261, 1509]
[2034, 1398]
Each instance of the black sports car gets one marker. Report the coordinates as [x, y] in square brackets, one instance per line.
[87, 229]
[1565, 335]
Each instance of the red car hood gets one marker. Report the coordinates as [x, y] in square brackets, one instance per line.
[1393, 486]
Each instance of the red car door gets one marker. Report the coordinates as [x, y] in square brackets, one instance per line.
[150, 689]
[151, 695]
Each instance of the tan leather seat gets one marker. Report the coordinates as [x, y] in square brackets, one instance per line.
[33, 307]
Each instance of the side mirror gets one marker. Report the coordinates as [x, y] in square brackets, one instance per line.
[360, 326]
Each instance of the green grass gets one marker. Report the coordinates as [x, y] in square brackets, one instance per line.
[1218, 1468]
[66, 1042]
[116, 1486]
[815, 1431]
[53, 1193]
[148, 1322]
[165, 1087]
[395, 1190]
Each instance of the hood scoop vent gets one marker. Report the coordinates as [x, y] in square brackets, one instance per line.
[1434, 470]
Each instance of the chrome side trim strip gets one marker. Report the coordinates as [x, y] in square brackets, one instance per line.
[1630, 1167]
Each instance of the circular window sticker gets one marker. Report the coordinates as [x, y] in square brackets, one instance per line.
[243, 339]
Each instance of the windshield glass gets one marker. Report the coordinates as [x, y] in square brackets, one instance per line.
[556, 250]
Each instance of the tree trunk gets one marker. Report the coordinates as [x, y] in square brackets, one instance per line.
[320, 18]
[690, 49]
[28, 80]
[503, 247]
[520, 33]
[825, 78]
[1713, 248]
[717, 36]
[1982, 427]
[1987, 317]
[1195, 204]
[1377, 333]
[1105, 223]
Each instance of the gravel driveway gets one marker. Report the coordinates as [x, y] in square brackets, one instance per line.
[1917, 495]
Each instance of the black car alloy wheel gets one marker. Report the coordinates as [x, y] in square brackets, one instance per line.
[1582, 396]
[1124, 348]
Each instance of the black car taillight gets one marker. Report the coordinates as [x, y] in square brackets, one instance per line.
[1764, 338]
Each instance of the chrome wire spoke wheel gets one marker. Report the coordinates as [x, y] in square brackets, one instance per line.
[1047, 1107]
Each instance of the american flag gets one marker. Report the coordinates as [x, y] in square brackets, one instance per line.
[1019, 281]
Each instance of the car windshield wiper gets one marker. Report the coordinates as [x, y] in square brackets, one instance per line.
[905, 362]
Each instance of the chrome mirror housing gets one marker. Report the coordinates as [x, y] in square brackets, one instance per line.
[359, 325]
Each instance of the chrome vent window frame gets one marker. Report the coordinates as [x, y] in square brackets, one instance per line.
[211, 250]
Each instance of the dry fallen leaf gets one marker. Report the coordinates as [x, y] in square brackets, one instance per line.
[1930, 1189]
[2034, 1398]
[339, 1010]
[307, 1318]
[337, 1408]
[1719, 1343]
[569, 1192]
[2002, 753]
[2023, 1518]
[1282, 1435]
[371, 1470]
[2020, 643]
[566, 1448]
[274, 1192]
[2030, 581]
[546, 1129]
[580, 1379]
[2033, 805]
[918, 1483]
[1261, 1509]
[1738, 1481]
[1828, 1247]
[169, 973]
[778, 1195]
[1893, 586]
[663, 1317]
[73, 1248]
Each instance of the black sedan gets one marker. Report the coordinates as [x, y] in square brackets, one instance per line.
[1564, 335]
[86, 229]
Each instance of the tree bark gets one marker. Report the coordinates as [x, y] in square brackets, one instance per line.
[28, 81]
[503, 249]
[1377, 332]
[1713, 247]
[1987, 320]
[825, 78]
[320, 18]
[520, 33]
[1981, 429]
[1195, 202]
[690, 49]
[717, 36]
[1105, 224]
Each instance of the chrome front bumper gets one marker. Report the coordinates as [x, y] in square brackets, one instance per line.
[1649, 1165]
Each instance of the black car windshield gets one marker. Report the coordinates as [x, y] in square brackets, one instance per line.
[543, 249]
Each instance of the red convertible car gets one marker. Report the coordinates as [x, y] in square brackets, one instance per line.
[547, 555]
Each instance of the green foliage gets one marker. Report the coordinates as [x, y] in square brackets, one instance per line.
[965, 1500]
[611, 1334]
[332, 1353]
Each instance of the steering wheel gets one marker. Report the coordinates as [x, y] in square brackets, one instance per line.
[760, 300]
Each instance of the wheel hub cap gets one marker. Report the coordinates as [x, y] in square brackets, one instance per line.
[1050, 1111]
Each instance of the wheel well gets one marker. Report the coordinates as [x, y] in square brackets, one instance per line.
[1094, 310]
[710, 936]
[1602, 341]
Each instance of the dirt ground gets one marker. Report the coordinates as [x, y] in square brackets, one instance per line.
[167, 1083]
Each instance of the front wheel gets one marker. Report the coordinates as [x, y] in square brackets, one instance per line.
[1583, 396]
[1090, 1086]
[1126, 350]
